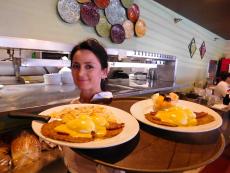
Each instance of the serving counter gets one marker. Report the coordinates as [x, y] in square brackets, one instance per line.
[16, 97]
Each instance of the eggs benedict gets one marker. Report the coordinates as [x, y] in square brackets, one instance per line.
[88, 123]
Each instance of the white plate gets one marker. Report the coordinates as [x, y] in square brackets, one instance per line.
[1, 86]
[129, 131]
[140, 108]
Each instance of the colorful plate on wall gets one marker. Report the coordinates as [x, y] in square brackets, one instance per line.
[192, 47]
[69, 10]
[90, 14]
[103, 27]
[117, 34]
[133, 13]
[129, 29]
[102, 3]
[127, 3]
[83, 1]
[140, 28]
[115, 12]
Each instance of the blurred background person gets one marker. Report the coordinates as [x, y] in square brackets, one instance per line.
[222, 88]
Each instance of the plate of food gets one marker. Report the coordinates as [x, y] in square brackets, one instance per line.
[86, 126]
[169, 113]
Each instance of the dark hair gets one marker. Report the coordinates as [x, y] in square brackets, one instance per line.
[94, 46]
[224, 75]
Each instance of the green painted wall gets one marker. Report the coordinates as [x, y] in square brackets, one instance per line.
[38, 19]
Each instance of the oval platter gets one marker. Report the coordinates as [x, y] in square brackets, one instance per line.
[127, 3]
[133, 13]
[102, 3]
[83, 1]
[69, 10]
[129, 28]
[140, 28]
[115, 12]
[103, 27]
[90, 14]
[117, 34]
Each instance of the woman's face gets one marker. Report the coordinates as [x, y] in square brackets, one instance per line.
[87, 71]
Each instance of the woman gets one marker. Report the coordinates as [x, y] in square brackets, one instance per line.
[222, 88]
[89, 65]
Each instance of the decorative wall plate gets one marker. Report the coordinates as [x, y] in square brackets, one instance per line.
[192, 47]
[133, 13]
[121, 19]
[69, 10]
[202, 50]
[102, 3]
[115, 12]
[129, 29]
[83, 1]
[127, 3]
[90, 14]
[117, 34]
[140, 28]
[103, 27]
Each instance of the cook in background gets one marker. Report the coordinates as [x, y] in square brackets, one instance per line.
[222, 88]
[89, 65]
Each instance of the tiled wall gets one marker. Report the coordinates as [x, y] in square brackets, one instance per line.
[39, 19]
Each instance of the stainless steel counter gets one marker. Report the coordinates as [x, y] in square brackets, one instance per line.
[15, 97]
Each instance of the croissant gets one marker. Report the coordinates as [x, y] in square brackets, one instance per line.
[25, 149]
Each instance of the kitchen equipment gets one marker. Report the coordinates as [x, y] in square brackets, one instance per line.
[52, 79]
[119, 74]
[140, 76]
[152, 75]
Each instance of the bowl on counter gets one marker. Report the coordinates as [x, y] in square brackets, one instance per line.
[52, 79]
[66, 77]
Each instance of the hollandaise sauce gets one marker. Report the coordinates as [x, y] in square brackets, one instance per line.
[84, 126]
[178, 116]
